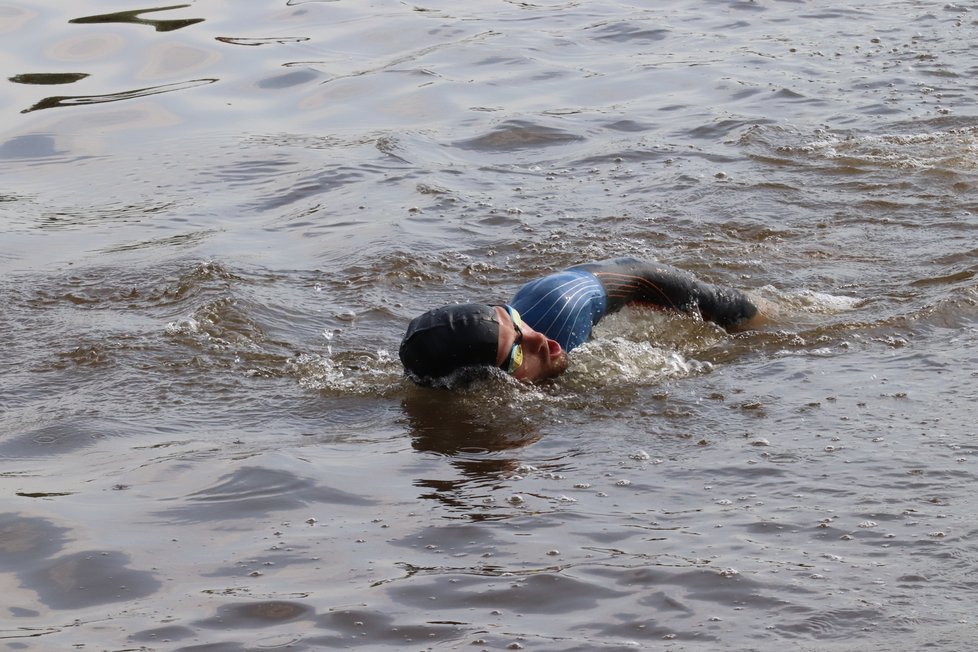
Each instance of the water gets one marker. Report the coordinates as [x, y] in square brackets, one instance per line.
[218, 219]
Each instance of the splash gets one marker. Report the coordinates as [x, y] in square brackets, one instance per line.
[354, 373]
[955, 150]
[613, 361]
[951, 150]
[811, 302]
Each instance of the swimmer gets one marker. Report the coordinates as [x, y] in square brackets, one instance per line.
[529, 337]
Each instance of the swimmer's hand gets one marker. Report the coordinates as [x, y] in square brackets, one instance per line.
[767, 314]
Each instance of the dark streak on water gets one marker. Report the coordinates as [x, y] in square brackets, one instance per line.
[216, 225]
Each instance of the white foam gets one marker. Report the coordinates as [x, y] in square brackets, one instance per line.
[955, 149]
[354, 374]
[811, 301]
[611, 361]
[185, 326]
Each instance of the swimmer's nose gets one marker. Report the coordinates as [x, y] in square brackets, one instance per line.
[535, 341]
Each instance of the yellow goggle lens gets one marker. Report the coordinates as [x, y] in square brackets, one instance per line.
[516, 353]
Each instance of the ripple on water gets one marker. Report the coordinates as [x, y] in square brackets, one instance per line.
[952, 150]
[165, 634]
[122, 288]
[247, 615]
[56, 439]
[518, 135]
[253, 490]
[375, 627]
[543, 592]
[837, 624]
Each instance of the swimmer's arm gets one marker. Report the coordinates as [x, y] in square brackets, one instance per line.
[627, 280]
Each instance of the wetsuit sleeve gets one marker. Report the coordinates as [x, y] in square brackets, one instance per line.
[628, 280]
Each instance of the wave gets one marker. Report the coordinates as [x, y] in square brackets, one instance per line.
[943, 150]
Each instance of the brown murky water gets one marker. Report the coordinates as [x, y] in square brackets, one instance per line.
[218, 218]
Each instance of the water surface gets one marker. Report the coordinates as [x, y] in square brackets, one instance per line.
[218, 219]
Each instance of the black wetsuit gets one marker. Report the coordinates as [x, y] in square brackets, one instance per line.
[566, 305]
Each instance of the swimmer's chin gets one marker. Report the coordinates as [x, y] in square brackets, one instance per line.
[561, 363]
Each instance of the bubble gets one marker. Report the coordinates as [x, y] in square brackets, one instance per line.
[626, 354]
[811, 301]
[350, 373]
[186, 326]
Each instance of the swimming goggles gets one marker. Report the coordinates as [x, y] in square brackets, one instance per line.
[515, 357]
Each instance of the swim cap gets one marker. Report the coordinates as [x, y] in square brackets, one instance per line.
[449, 338]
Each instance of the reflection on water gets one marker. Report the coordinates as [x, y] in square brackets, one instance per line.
[69, 100]
[208, 440]
[33, 146]
[447, 423]
[42, 78]
[28, 538]
[136, 18]
[88, 578]
[68, 581]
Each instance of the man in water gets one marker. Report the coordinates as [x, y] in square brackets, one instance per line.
[529, 338]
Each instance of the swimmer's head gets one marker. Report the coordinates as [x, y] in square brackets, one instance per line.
[444, 340]
[477, 337]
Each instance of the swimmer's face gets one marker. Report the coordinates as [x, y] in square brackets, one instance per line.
[542, 357]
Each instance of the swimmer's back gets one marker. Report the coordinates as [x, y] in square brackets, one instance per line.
[564, 306]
